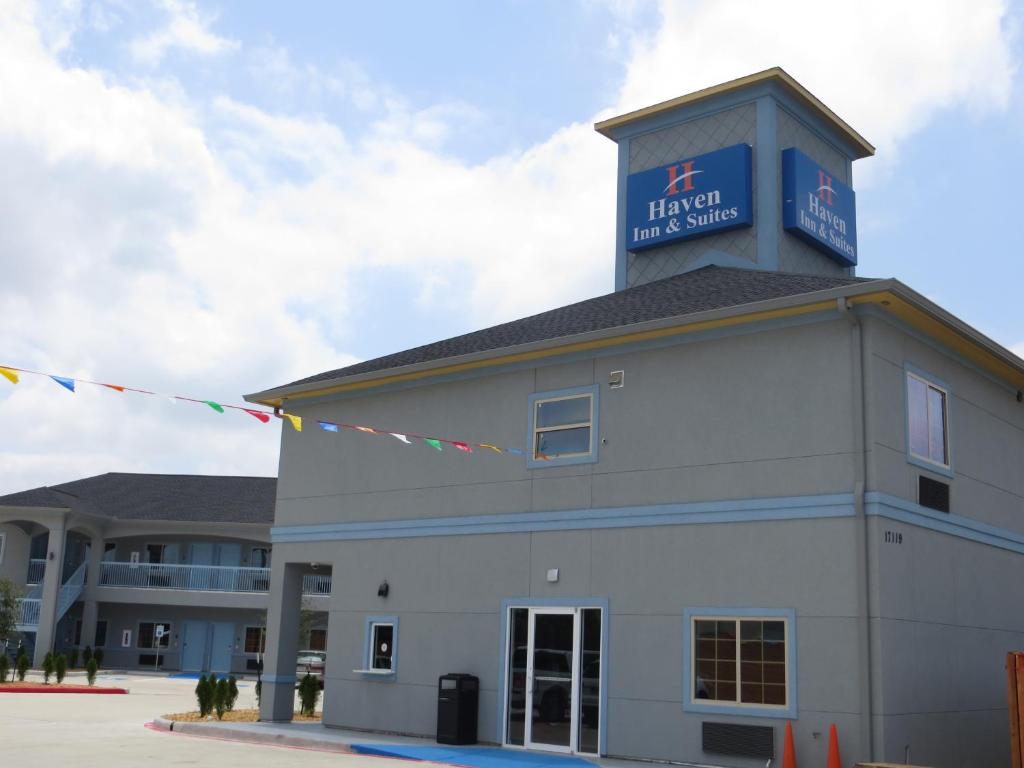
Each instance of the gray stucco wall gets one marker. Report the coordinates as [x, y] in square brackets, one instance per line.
[729, 418]
[14, 558]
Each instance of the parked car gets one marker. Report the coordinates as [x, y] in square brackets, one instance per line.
[311, 663]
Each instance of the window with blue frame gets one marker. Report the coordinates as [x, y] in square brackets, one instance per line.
[563, 426]
[739, 661]
[927, 420]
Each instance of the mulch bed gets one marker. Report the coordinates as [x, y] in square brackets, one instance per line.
[235, 716]
[33, 687]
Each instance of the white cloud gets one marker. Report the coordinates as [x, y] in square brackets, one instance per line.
[185, 29]
[885, 67]
[154, 240]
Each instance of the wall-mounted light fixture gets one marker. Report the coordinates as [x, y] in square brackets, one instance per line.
[50, 556]
[383, 589]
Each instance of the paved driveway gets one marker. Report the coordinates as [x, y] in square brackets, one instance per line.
[109, 732]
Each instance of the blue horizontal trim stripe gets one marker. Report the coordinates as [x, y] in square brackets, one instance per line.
[883, 505]
[734, 511]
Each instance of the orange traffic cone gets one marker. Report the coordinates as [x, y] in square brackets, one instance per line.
[788, 752]
[833, 748]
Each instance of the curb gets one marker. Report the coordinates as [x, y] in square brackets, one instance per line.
[217, 731]
[54, 689]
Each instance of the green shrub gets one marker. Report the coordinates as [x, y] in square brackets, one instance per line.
[259, 691]
[229, 703]
[87, 654]
[98, 655]
[60, 667]
[73, 659]
[203, 697]
[47, 668]
[309, 694]
[90, 670]
[220, 697]
[4, 665]
[22, 666]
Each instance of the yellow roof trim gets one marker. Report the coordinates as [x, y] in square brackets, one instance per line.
[889, 301]
[562, 350]
[931, 326]
[777, 74]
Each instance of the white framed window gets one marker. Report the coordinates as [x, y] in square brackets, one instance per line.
[259, 557]
[928, 422]
[563, 427]
[382, 645]
[740, 661]
[126, 638]
[380, 652]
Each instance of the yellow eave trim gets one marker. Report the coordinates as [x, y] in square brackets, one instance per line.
[605, 127]
[887, 300]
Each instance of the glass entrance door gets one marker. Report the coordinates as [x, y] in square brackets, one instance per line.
[553, 693]
[550, 679]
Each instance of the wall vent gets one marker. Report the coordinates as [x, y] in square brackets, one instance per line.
[933, 494]
[739, 740]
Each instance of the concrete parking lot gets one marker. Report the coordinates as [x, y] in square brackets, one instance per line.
[109, 731]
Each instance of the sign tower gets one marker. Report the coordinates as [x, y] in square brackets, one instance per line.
[753, 173]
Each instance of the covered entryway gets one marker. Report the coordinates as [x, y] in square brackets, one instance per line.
[554, 685]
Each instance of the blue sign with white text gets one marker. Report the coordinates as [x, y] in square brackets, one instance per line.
[817, 208]
[693, 197]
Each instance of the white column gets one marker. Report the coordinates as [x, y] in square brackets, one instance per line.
[51, 593]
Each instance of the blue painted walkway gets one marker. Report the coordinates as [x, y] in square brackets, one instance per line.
[474, 757]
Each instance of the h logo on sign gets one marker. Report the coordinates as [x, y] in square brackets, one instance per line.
[825, 191]
[681, 173]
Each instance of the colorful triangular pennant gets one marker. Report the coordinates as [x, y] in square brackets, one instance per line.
[68, 384]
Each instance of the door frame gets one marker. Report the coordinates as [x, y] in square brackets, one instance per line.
[574, 680]
[573, 605]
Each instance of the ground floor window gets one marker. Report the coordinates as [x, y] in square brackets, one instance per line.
[741, 661]
[382, 644]
[101, 633]
[255, 640]
[147, 634]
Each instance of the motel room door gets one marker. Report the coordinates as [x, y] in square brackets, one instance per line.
[223, 647]
[193, 646]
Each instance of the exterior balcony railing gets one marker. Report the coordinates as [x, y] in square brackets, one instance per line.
[28, 613]
[36, 570]
[208, 578]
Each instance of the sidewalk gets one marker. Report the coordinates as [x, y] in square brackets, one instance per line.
[316, 736]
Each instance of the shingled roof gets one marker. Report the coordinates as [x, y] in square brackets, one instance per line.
[701, 290]
[181, 498]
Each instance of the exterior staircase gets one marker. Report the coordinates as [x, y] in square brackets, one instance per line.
[30, 606]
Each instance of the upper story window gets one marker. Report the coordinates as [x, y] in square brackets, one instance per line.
[563, 427]
[927, 422]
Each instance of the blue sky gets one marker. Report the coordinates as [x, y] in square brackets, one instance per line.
[213, 198]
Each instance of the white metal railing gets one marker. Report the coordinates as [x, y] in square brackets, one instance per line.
[28, 613]
[36, 570]
[316, 584]
[211, 578]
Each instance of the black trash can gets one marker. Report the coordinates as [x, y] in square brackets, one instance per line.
[457, 702]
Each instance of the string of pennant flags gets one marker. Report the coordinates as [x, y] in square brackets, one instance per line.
[13, 375]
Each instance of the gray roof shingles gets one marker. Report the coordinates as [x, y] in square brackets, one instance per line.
[701, 290]
[180, 498]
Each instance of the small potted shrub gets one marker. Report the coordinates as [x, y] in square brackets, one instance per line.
[90, 671]
[203, 696]
[22, 666]
[86, 655]
[47, 668]
[4, 664]
[229, 704]
[60, 667]
[220, 697]
[309, 694]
